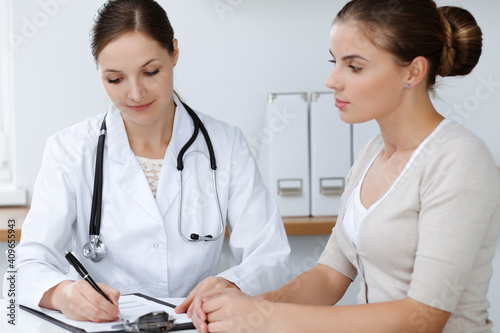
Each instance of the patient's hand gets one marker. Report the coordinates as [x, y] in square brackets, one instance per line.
[193, 301]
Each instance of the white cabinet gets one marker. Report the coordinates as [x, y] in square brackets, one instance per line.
[284, 158]
[331, 149]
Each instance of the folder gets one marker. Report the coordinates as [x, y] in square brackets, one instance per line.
[330, 154]
[283, 152]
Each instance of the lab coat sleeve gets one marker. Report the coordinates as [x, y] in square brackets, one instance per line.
[46, 232]
[258, 239]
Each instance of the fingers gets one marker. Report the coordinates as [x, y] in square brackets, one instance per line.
[82, 302]
[230, 310]
[98, 308]
[184, 306]
[193, 304]
[199, 321]
[220, 317]
[210, 283]
[218, 292]
[193, 298]
[112, 293]
[181, 308]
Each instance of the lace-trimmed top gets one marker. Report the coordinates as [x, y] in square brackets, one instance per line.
[152, 169]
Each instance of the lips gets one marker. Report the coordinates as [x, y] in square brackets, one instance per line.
[340, 104]
[140, 108]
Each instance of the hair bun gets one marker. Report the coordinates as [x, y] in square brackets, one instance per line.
[462, 42]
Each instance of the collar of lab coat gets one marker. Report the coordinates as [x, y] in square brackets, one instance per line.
[131, 177]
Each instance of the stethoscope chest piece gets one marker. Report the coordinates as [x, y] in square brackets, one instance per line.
[94, 249]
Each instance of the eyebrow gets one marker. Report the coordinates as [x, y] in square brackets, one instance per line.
[350, 57]
[116, 71]
[353, 56]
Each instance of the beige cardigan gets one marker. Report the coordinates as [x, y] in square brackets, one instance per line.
[433, 236]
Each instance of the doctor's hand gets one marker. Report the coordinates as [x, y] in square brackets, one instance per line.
[79, 301]
[193, 300]
[229, 310]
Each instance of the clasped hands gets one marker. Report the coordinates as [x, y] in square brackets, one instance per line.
[217, 305]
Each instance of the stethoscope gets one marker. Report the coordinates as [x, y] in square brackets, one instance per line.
[95, 249]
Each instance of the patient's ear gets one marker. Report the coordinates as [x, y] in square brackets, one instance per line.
[417, 71]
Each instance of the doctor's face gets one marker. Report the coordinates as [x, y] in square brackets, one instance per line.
[137, 74]
[368, 82]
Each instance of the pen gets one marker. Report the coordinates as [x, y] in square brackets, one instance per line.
[85, 275]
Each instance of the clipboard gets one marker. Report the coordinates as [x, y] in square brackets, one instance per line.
[71, 328]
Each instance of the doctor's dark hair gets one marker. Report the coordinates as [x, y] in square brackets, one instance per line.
[118, 17]
[448, 37]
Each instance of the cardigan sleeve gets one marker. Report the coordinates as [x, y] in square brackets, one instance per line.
[459, 197]
[334, 257]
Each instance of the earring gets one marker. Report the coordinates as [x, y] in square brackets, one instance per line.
[409, 85]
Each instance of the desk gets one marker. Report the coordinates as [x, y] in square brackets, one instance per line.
[26, 322]
[294, 226]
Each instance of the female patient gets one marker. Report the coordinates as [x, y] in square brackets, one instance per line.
[419, 219]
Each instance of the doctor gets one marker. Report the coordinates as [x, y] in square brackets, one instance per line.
[147, 126]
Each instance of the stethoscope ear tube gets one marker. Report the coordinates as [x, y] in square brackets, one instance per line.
[95, 249]
[180, 163]
[95, 214]
[198, 125]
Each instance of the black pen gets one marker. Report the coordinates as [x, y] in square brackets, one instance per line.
[85, 275]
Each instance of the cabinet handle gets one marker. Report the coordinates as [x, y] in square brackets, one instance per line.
[331, 186]
[290, 187]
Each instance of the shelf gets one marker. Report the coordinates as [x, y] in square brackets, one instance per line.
[294, 226]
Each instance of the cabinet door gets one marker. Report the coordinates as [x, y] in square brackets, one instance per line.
[285, 164]
[330, 154]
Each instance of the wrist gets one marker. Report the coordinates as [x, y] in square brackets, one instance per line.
[227, 283]
[275, 315]
[273, 296]
[53, 298]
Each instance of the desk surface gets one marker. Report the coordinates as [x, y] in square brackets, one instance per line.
[294, 226]
[26, 322]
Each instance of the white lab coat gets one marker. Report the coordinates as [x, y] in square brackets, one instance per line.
[145, 252]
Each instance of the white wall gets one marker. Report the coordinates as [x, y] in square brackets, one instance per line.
[230, 60]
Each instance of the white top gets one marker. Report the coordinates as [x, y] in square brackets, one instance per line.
[152, 170]
[355, 212]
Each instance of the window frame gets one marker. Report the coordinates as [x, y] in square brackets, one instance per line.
[6, 95]
[10, 195]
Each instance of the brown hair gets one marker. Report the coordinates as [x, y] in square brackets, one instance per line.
[448, 37]
[117, 17]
